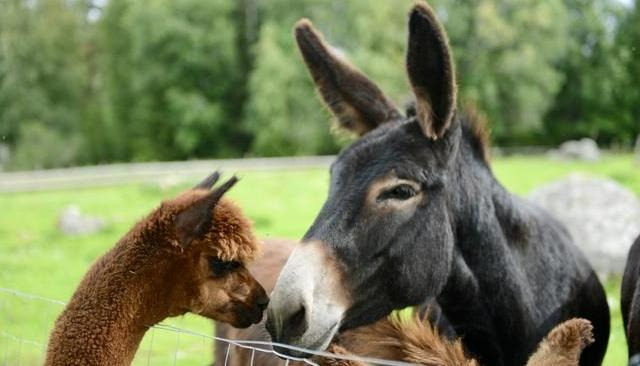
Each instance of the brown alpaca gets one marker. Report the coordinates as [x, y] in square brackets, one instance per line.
[266, 269]
[412, 341]
[391, 338]
[419, 343]
[564, 344]
[187, 255]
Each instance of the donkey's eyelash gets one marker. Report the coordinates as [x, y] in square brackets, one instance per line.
[400, 192]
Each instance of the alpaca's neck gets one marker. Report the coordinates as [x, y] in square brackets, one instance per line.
[119, 298]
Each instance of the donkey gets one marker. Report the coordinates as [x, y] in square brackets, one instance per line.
[630, 302]
[415, 214]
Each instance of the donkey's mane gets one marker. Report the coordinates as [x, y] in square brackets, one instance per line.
[474, 125]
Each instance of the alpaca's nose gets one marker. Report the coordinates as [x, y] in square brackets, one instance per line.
[262, 301]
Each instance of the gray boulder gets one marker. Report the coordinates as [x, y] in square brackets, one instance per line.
[584, 149]
[602, 216]
[72, 222]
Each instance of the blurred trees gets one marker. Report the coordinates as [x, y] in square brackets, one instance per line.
[590, 102]
[42, 81]
[179, 79]
[170, 72]
[506, 53]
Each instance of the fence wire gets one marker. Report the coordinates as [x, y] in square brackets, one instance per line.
[26, 320]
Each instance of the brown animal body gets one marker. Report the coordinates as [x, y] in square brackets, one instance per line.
[391, 338]
[266, 269]
[187, 255]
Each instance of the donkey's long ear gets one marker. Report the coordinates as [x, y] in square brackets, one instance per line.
[358, 104]
[431, 72]
[196, 220]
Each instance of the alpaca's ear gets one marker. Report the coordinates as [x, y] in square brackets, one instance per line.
[431, 72]
[354, 100]
[197, 219]
[209, 181]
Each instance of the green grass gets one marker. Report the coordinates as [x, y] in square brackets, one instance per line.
[36, 258]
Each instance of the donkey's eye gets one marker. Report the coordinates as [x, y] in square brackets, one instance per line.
[220, 267]
[399, 192]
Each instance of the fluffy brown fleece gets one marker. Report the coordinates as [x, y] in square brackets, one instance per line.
[419, 343]
[477, 122]
[564, 344]
[161, 268]
[412, 341]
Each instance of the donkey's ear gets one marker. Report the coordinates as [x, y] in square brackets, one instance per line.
[358, 104]
[197, 219]
[431, 72]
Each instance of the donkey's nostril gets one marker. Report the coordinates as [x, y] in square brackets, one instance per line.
[298, 320]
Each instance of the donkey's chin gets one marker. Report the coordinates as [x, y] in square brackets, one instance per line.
[312, 340]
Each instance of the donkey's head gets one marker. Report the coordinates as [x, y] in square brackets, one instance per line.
[384, 238]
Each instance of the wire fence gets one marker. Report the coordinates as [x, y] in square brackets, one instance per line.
[26, 320]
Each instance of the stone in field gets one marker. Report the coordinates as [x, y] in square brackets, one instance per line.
[72, 222]
[584, 149]
[602, 216]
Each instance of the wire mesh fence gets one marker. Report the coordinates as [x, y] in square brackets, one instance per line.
[26, 320]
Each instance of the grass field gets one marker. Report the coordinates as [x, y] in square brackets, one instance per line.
[36, 258]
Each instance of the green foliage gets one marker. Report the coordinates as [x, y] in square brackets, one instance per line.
[165, 80]
[42, 76]
[628, 91]
[40, 147]
[506, 53]
[169, 70]
[588, 103]
[282, 109]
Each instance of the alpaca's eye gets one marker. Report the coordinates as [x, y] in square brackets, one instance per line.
[400, 192]
[220, 267]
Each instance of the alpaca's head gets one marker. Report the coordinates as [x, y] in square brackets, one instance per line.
[212, 242]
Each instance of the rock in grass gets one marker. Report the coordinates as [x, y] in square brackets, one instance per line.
[602, 216]
[72, 222]
[584, 149]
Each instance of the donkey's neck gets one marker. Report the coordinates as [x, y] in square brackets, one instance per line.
[489, 225]
[118, 299]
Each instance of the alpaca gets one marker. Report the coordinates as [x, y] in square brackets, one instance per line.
[391, 338]
[265, 269]
[188, 255]
[419, 343]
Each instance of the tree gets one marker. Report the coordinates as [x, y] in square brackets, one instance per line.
[628, 91]
[42, 76]
[506, 52]
[170, 70]
[587, 104]
[283, 113]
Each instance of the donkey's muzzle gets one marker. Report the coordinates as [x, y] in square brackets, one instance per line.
[308, 301]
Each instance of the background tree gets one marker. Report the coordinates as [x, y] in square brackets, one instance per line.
[170, 70]
[588, 103]
[168, 80]
[627, 103]
[42, 79]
